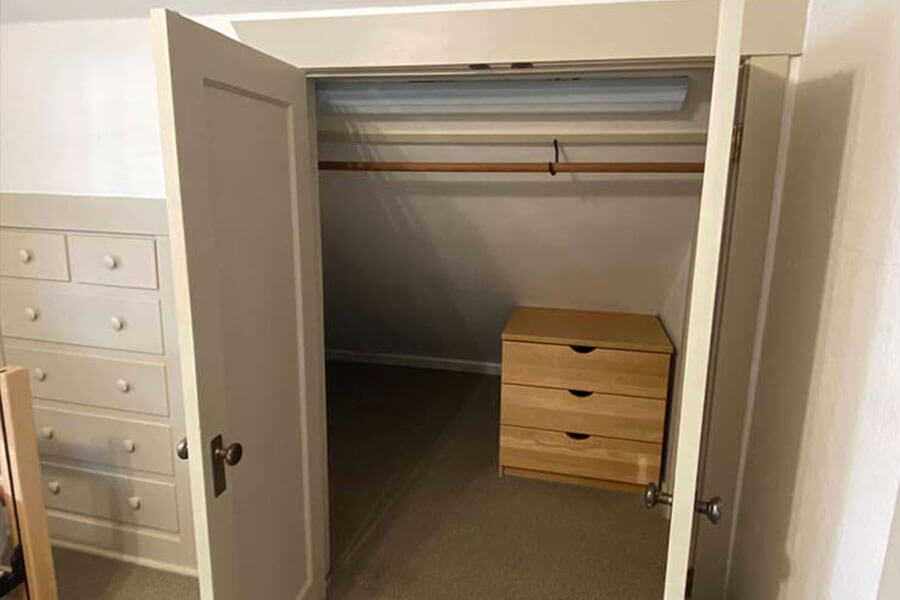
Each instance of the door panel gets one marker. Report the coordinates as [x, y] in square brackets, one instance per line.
[244, 230]
[702, 298]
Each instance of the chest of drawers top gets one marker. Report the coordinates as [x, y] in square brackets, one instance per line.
[588, 329]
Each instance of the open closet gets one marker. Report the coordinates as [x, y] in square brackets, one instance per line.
[446, 204]
[434, 329]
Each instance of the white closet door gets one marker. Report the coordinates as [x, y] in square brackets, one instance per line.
[245, 251]
[703, 293]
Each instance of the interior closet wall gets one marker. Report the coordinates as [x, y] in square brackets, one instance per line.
[430, 265]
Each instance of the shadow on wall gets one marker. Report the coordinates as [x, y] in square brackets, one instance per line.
[788, 387]
[432, 265]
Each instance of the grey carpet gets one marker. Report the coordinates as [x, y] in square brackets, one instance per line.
[86, 577]
[418, 510]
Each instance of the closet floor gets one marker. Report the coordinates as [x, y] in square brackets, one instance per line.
[418, 510]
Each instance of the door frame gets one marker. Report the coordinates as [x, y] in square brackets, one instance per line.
[704, 277]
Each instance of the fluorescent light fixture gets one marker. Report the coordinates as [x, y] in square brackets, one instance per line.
[599, 95]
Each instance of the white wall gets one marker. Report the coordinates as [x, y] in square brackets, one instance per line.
[414, 264]
[78, 109]
[822, 473]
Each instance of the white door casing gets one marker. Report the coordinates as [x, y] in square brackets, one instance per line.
[244, 229]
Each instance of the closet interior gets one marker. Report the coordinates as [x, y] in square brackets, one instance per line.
[479, 234]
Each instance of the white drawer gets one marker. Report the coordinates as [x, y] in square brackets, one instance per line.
[94, 380]
[35, 255]
[114, 497]
[128, 262]
[103, 321]
[104, 440]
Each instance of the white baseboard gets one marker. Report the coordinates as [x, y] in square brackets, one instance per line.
[409, 360]
[128, 558]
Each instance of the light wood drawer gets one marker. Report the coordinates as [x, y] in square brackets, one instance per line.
[114, 497]
[102, 321]
[104, 440]
[623, 417]
[35, 255]
[129, 262]
[596, 457]
[94, 380]
[644, 374]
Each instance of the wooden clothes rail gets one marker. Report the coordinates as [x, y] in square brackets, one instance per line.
[514, 167]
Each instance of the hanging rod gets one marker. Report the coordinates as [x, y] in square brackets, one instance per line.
[515, 167]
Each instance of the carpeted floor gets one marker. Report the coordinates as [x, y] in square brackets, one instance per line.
[418, 511]
[86, 577]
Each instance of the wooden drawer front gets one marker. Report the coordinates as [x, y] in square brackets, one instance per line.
[114, 497]
[104, 440]
[102, 321]
[595, 457]
[94, 380]
[623, 417]
[35, 255]
[644, 374]
[128, 262]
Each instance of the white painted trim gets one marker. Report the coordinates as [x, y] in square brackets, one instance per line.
[128, 558]
[618, 31]
[410, 360]
[105, 214]
[768, 268]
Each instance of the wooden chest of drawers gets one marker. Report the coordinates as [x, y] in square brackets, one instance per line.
[584, 397]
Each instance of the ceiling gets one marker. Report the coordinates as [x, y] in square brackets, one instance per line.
[21, 11]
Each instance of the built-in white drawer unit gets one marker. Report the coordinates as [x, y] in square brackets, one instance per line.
[107, 260]
[86, 306]
[121, 384]
[105, 440]
[101, 321]
[33, 254]
[107, 496]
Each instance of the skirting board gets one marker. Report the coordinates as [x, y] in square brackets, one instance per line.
[408, 360]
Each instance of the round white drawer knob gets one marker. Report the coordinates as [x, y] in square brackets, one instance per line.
[31, 314]
[117, 323]
[134, 502]
[25, 255]
[128, 445]
[123, 385]
[110, 261]
[40, 374]
[53, 487]
[47, 433]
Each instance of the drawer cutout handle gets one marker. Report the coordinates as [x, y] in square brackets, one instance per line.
[577, 436]
[582, 349]
[580, 393]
